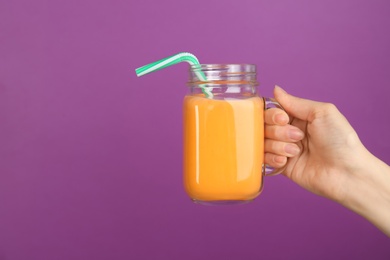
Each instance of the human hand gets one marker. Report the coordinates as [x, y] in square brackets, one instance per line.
[326, 146]
[330, 160]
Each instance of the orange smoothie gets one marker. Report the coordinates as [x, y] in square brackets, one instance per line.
[223, 148]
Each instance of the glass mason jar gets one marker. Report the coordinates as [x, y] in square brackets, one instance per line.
[223, 134]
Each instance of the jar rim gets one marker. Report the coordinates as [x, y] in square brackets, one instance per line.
[223, 74]
[223, 65]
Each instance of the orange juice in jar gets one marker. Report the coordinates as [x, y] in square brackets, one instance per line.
[223, 135]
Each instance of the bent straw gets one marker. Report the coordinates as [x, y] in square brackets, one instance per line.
[172, 60]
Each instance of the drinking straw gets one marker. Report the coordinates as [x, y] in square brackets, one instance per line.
[172, 60]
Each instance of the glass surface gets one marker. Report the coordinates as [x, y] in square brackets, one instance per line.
[223, 136]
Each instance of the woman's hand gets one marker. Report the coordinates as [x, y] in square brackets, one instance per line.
[321, 152]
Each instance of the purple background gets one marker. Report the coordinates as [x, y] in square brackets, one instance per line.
[90, 155]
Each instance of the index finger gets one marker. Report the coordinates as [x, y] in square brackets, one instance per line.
[276, 116]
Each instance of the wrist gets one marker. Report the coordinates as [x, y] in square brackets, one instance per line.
[368, 190]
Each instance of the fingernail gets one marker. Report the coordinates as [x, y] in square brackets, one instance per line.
[281, 119]
[295, 134]
[279, 88]
[291, 149]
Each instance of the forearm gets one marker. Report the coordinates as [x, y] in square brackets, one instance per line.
[369, 192]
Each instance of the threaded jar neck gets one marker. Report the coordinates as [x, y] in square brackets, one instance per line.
[227, 80]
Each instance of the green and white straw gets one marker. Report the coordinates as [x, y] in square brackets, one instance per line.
[172, 60]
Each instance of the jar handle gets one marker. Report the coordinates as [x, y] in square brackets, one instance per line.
[268, 170]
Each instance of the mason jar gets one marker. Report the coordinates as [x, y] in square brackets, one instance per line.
[223, 134]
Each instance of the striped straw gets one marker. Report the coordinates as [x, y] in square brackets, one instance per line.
[172, 60]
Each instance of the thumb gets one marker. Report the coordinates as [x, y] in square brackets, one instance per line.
[300, 108]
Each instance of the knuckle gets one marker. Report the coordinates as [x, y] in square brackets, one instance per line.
[330, 107]
[270, 131]
[275, 147]
[277, 133]
[322, 111]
